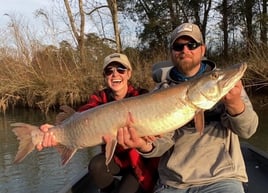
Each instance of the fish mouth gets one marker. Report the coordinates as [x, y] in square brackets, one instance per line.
[213, 86]
[233, 74]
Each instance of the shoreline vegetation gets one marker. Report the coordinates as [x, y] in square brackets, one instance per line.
[52, 77]
[48, 84]
[44, 77]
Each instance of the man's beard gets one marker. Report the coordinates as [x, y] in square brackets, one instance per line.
[185, 66]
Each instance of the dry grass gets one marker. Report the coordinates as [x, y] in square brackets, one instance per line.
[44, 82]
[44, 77]
[54, 77]
[257, 72]
[256, 78]
[53, 80]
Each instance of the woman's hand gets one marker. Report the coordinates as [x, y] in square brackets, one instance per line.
[49, 139]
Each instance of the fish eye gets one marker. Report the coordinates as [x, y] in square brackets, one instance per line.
[215, 75]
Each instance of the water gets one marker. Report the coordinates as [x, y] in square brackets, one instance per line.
[259, 139]
[39, 172]
[42, 172]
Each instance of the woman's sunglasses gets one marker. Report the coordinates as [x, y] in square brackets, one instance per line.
[110, 70]
[190, 45]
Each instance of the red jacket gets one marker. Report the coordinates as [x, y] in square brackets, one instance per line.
[144, 168]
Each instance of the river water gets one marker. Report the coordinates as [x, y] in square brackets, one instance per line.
[39, 172]
[42, 172]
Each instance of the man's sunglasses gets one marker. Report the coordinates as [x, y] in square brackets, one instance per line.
[110, 70]
[190, 45]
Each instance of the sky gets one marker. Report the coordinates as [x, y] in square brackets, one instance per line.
[24, 8]
[23, 11]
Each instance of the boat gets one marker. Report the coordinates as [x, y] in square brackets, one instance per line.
[256, 162]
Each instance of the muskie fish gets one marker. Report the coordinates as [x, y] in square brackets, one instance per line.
[151, 114]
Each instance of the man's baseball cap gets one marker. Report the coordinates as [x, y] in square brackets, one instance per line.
[117, 57]
[187, 29]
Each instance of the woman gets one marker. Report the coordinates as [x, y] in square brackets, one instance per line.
[137, 173]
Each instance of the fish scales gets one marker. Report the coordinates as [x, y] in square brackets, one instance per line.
[151, 114]
[150, 119]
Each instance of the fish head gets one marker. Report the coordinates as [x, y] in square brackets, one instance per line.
[208, 89]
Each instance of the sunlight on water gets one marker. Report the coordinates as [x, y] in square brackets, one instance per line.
[39, 172]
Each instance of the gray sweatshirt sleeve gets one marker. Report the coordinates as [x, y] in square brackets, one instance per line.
[246, 123]
[161, 145]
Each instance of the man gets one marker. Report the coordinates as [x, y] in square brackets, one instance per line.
[190, 162]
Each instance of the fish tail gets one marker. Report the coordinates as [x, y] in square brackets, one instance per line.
[29, 136]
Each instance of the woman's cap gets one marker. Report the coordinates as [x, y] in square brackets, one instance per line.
[117, 57]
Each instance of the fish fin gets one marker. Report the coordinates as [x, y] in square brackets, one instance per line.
[29, 136]
[130, 119]
[199, 121]
[109, 151]
[66, 153]
[66, 113]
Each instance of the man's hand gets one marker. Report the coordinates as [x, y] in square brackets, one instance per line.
[233, 101]
[48, 139]
[127, 137]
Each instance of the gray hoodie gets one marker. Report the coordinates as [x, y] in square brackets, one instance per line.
[189, 158]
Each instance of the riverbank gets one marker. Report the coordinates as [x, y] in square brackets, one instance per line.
[46, 83]
[260, 100]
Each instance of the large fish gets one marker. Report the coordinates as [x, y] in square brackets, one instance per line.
[151, 114]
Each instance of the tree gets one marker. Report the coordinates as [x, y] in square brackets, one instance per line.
[79, 34]
[264, 22]
[224, 9]
[248, 5]
[112, 4]
[160, 17]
